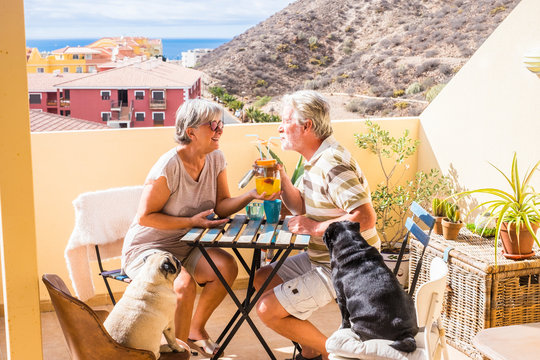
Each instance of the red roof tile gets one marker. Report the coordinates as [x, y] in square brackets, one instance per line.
[43, 121]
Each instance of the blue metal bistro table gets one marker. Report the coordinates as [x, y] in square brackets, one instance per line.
[241, 233]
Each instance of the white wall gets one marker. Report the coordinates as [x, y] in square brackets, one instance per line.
[490, 109]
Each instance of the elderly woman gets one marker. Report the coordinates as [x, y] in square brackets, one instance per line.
[188, 183]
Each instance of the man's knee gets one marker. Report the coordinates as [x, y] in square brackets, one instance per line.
[268, 308]
[261, 275]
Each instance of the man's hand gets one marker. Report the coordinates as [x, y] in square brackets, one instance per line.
[303, 225]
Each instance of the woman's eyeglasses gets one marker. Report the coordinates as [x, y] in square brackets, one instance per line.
[215, 125]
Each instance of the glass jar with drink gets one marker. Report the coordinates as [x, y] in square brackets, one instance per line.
[266, 176]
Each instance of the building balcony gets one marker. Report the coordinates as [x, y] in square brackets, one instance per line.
[64, 102]
[52, 102]
[116, 105]
[158, 104]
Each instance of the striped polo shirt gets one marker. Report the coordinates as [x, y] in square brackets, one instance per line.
[333, 185]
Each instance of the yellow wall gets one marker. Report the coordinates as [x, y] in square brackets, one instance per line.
[17, 224]
[69, 163]
[490, 109]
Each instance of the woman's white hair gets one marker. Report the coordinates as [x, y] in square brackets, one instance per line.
[192, 114]
[309, 104]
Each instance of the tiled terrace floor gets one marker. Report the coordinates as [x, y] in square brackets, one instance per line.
[244, 346]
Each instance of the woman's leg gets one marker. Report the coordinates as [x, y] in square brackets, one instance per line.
[213, 291]
[186, 290]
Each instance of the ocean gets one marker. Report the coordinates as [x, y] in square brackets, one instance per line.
[172, 48]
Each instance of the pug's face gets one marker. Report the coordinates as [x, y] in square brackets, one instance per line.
[163, 265]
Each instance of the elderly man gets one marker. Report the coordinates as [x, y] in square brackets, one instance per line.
[333, 189]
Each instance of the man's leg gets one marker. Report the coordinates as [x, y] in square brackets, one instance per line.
[274, 315]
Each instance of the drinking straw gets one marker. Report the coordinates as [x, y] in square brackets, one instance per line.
[258, 141]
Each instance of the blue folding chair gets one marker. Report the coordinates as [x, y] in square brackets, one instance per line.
[421, 214]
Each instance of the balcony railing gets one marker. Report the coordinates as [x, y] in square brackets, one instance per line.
[116, 105]
[64, 102]
[52, 102]
[158, 104]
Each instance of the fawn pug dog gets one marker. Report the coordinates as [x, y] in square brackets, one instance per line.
[147, 307]
[371, 300]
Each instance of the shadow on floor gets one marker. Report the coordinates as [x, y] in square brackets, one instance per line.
[245, 344]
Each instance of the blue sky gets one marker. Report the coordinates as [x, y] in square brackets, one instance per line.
[152, 18]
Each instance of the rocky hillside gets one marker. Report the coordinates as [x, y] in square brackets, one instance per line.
[393, 51]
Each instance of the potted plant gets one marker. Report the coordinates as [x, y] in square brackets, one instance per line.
[516, 212]
[452, 223]
[437, 210]
[392, 198]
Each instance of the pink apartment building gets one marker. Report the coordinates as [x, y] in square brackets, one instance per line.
[145, 94]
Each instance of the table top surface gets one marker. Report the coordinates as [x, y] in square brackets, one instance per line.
[510, 342]
[240, 232]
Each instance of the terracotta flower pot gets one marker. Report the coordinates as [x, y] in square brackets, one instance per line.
[450, 229]
[515, 248]
[437, 228]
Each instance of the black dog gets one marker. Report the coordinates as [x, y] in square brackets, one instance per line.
[368, 294]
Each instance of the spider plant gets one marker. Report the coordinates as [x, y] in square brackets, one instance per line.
[518, 207]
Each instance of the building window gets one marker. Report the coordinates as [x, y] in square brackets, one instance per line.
[139, 95]
[88, 57]
[66, 69]
[105, 116]
[35, 98]
[92, 69]
[159, 118]
[40, 70]
[105, 95]
[158, 95]
[139, 116]
[75, 57]
[78, 69]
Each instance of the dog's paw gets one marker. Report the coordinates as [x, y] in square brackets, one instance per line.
[165, 348]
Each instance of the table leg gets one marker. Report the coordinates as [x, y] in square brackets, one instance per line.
[241, 307]
[248, 303]
[252, 303]
[250, 288]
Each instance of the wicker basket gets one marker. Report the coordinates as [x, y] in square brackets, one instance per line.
[479, 294]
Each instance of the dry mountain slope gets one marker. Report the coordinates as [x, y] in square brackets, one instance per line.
[370, 47]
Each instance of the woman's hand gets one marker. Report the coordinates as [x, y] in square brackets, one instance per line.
[201, 220]
[254, 195]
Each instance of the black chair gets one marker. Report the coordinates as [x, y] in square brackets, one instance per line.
[422, 215]
[116, 274]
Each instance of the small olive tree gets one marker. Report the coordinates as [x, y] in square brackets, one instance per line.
[391, 201]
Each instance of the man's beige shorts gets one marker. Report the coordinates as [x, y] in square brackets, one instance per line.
[306, 287]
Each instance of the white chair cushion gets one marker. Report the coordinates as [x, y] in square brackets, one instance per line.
[345, 344]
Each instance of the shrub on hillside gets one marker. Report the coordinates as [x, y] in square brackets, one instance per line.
[261, 101]
[434, 91]
[354, 105]
[414, 88]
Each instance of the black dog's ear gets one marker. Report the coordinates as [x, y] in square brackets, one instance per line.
[329, 234]
[354, 226]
